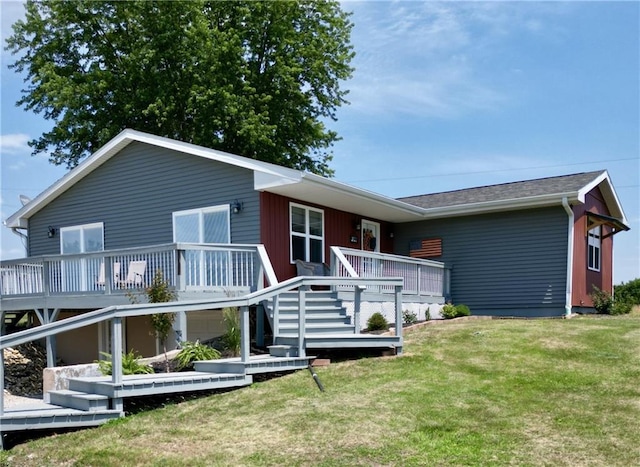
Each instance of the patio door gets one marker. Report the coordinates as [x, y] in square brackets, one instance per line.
[76, 273]
[370, 241]
[204, 226]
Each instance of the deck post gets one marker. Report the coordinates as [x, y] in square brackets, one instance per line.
[260, 326]
[244, 333]
[398, 305]
[108, 275]
[357, 300]
[276, 317]
[46, 285]
[116, 350]
[1, 384]
[49, 317]
[302, 293]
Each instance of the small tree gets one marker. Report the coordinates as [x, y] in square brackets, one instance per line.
[159, 292]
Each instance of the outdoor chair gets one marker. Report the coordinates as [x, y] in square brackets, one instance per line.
[135, 274]
[115, 274]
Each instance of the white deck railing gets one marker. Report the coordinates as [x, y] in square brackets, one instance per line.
[421, 277]
[185, 267]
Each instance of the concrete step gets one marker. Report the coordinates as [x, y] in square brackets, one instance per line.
[283, 350]
[79, 400]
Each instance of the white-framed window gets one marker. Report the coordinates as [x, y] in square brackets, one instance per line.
[85, 238]
[593, 248]
[306, 227]
[203, 225]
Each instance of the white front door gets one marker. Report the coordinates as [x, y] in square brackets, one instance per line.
[370, 240]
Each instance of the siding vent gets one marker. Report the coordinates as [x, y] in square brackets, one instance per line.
[426, 248]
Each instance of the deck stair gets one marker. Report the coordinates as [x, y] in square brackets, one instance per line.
[327, 325]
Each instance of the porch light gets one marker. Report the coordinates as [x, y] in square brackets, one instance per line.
[237, 206]
[51, 231]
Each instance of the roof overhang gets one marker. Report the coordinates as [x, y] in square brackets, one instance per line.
[595, 219]
[318, 190]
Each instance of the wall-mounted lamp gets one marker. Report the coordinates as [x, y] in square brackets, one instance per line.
[237, 206]
[51, 232]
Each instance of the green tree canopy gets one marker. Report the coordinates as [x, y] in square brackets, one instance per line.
[258, 79]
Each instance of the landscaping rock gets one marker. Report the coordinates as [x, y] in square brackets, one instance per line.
[23, 367]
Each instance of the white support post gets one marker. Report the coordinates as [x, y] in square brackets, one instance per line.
[244, 333]
[302, 293]
[116, 350]
[116, 360]
[398, 305]
[357, 300]
[181, 267]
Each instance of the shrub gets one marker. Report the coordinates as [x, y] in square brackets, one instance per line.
[602, 301]
[462, 310]
[449, 311]
[130, 365]
[427, 314]
[621, 307]
[377, 322]
[409, 317]
[232, 338]
[629, 292]
[193, 352]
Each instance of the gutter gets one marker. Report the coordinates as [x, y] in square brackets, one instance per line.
[567, 306]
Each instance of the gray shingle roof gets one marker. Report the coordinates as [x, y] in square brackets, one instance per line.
[505, 191]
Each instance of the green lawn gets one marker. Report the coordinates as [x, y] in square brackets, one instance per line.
[474, 392]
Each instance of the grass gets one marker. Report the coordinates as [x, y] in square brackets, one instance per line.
[475, 392]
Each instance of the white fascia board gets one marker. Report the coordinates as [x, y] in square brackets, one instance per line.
[608, 191]
[362, 194]
[501, 205]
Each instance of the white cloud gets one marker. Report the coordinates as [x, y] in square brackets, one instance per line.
[15, 143]
[435, 59]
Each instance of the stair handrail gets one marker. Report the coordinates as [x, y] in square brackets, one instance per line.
[115, 313]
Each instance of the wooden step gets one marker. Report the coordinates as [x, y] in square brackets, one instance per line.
[79, 400]
[256, 364]
[159, 383]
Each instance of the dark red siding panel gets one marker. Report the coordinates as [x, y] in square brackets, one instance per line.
[339, 227]
[583, 278]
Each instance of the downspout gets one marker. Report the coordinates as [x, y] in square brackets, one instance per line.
[24, 238]
[567, 306]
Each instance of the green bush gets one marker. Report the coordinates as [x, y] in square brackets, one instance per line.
[193, 352]
[232, 338]
[450, 311]
[462, 310]
[130, 365]
[377, 322]
[628, 293]
[602, 301]
[409, 317]
[621, 308]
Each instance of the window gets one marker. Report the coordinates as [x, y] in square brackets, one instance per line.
[593, 237]
[205, 225]
[307, 233]
[82, 238]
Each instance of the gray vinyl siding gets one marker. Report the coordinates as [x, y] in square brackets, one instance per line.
[511, 263]
[135, 192]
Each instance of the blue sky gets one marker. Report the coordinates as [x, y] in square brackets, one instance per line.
[447, 96]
